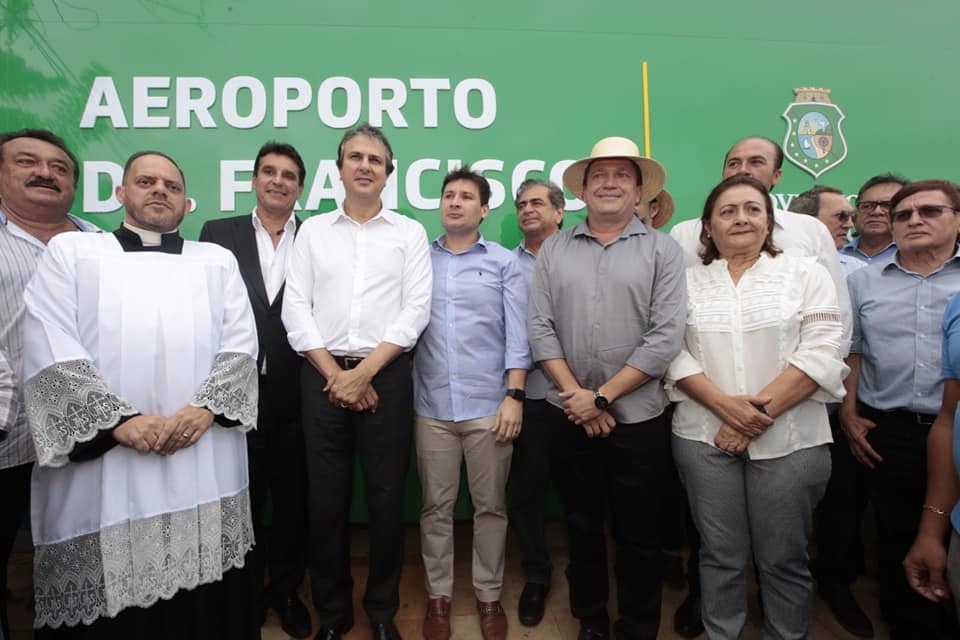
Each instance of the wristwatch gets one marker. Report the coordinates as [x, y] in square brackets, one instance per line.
[517, 394]
[600, 401]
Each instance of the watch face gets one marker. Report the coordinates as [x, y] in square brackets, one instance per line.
[600, 402]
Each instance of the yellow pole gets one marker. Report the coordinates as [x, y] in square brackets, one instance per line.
[646, 110]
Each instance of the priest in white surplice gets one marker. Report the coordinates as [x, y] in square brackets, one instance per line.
[140, 368]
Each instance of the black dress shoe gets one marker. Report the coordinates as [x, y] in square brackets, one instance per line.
[532, 603]
[335, 632]
[294, 617]
[846, 610]
[386, 631]
[687, 621]
[592, 633]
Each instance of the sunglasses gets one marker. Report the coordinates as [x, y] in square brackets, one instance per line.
[843, 216]
[925, 211]
[866, 206]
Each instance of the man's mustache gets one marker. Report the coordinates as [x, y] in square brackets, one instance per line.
[44, 182]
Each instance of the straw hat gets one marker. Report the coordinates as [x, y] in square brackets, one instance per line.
[667, 206]
[652, 174]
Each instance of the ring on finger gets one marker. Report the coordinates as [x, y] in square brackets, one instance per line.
[185, 435]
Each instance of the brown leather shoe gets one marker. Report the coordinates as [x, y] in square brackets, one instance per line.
[493, 622]
[436, 624]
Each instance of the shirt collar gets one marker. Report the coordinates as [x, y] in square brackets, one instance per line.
[287, 226]
[384, 214]
[79, 223]
[130, 241]
[634, 227]
[481, 243]
[894, 262]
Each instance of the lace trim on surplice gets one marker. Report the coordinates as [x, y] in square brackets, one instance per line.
[68, 403]
[231, 389]
[135, 563]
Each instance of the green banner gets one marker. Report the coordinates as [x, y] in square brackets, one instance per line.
[515, 89]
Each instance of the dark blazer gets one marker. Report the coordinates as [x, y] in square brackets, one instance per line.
[280, 389]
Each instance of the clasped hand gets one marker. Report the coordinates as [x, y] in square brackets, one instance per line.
[352, 388]
[162, 434]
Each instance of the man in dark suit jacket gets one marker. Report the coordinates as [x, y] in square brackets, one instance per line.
[262, 243]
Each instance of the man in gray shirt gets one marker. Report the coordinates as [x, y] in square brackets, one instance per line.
[606, 317]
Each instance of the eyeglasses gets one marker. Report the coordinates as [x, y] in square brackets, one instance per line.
[867, 206]
[843, 216]
[926, 212]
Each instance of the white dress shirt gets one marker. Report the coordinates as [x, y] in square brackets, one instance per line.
[351, 286]
[274, 260]
[782, 312]
[795, 234]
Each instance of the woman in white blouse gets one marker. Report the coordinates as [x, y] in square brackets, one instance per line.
[761, 356]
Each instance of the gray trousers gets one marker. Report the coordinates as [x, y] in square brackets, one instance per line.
[758, 508]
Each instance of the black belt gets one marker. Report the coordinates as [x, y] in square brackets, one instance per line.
[348, 362]
[897, 415]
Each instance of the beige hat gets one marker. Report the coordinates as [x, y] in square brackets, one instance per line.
[652, 175]
[667, 206]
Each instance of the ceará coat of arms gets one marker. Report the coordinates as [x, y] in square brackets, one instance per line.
[814, 141]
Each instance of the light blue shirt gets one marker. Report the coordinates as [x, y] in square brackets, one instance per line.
[897, 318]
[951, 369]
[852, 249]
[537, 383]
[477, 331]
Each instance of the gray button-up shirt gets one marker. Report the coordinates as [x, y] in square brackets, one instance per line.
[897, 317]
[602, 307]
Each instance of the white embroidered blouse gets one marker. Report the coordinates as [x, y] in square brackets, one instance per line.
[782, 312]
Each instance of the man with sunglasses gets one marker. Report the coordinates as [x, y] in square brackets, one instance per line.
[839, 548]
[874, 242]
[894, 387]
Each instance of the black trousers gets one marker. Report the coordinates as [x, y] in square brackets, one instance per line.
[839, 544]
[624, 472]
[897, 488]
[14, 507]
[529, 481]
[333, 437]
[278, 477]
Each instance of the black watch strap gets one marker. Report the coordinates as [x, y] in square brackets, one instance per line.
[517, 394]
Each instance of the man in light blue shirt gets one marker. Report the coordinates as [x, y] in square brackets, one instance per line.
[895, 384]
[874, 241]
[470, 371]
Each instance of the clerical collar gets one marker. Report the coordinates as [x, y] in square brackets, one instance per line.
[134, 239]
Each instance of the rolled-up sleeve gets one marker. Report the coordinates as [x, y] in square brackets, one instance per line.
[663, 338]
[818, 353]
[541, 314]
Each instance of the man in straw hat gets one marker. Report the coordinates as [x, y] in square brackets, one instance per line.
[658, 211]
[607, 309]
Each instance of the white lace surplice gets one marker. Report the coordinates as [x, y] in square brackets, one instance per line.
[107, 334]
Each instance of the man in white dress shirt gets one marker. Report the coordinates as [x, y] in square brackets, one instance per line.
[357, 298]
[794, 234]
